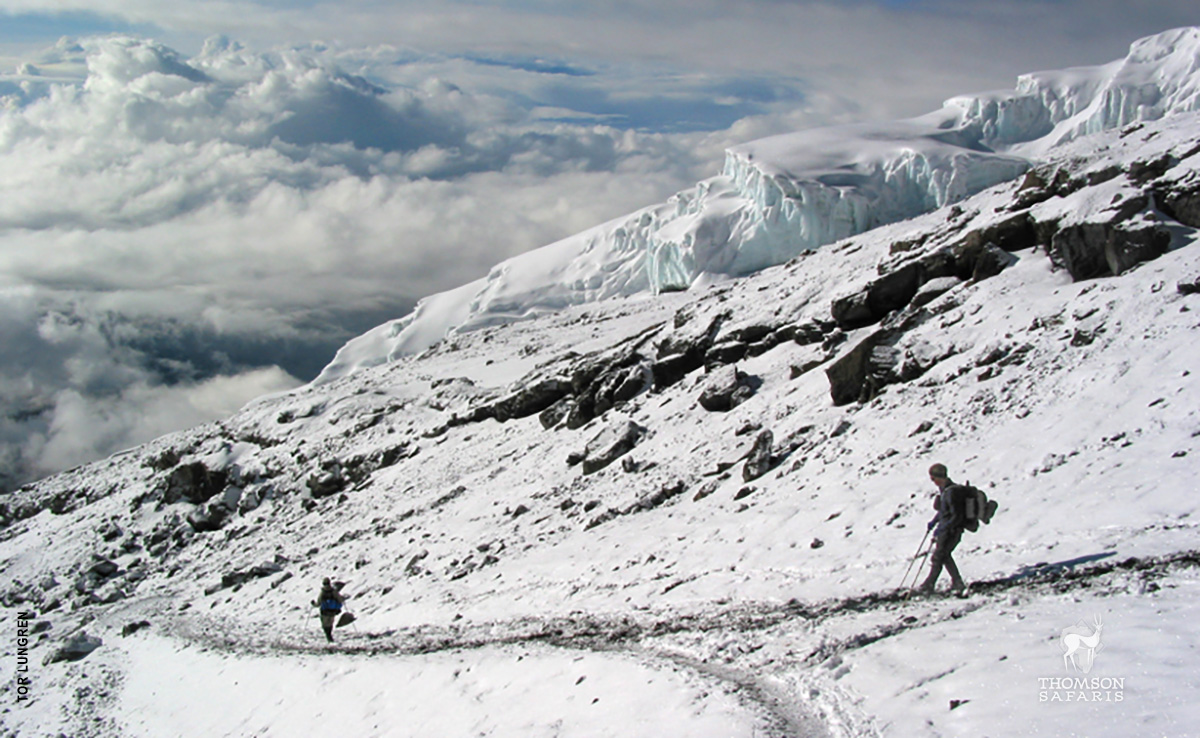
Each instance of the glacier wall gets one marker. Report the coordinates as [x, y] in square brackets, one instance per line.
[1160, 76]
[780, 196]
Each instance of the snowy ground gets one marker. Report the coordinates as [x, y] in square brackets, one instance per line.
[500, 591]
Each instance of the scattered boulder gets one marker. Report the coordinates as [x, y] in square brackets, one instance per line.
[859, 374]
[726, 352]
[659, 498]
[251, 499]
[328, 481]
[1181, 202]
[889, 292]
[414, 567]
[1145, 170]
[103, 568]
[707, 489]
[234, 578]
[531, 399]
[812, 332]
[107, 594]
[580, 412]
[74, 648]
[725, 389]
[611, 444]
[1011, 234]
[759, 461]
[132, 628]
[210, 517]
[621, 386]
[195, 483]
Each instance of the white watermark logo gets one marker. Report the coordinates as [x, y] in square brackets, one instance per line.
[1080, 644]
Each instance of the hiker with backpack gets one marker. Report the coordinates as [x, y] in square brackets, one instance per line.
[330, 601]
[947, 525]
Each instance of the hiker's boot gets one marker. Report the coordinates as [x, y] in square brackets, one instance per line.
[958, 586]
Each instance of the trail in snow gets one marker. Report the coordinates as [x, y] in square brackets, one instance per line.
[643, 634]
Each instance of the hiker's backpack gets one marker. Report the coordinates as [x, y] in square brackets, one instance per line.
[972, 506]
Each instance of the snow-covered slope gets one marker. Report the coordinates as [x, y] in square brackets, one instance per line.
[779, 197]
[686, 513]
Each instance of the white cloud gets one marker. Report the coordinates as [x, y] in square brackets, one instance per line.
[190, 219]
[265, 203]
[83, 426]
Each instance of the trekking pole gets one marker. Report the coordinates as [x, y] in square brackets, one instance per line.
[916, 556]
[920, 568]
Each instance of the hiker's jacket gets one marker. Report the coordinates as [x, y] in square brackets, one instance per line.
[947, 518]
[329, 593]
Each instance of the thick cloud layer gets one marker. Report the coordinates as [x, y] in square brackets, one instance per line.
[174, 229]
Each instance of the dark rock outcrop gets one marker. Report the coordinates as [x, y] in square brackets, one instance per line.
[725, 389]
[209, 517]
[611, 444]
[1090, 250]
[328, 481]
[239, 577]
[134, 627]
[74, 648]
[194, 482]
[980, 254]
[669, 370]
[859, 374]
[531, 399]
[1181, 202]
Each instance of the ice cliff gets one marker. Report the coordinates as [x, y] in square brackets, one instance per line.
[779, 196]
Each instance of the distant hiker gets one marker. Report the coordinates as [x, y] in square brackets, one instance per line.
[947, 526]
[330, 602]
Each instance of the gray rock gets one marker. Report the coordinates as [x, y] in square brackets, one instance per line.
[103, 567]
[1181, 202]
[990, 261]
[556, 413]
[74, 648]
[131, 628]
[611, 444]
[194, 482]
[531, 399]
[673, 368]
[234, 578]
[933, 289]
[862, 371]
[210, 517]
[725, 389]
[329, 481]
[760, 459]
[1091, 250]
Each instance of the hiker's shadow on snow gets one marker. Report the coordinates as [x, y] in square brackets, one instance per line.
[1042, 568]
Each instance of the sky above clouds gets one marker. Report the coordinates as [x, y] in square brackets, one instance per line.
[199, 202]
